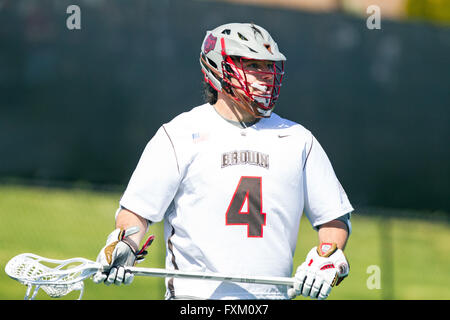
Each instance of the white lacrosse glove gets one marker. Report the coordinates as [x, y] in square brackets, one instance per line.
[120, 252]
[325, 266]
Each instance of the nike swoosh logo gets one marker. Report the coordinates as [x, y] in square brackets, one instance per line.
[283, 135]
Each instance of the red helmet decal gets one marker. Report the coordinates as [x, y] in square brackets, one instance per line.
[210, 43]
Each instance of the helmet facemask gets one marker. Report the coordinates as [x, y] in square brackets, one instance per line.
[258, 96]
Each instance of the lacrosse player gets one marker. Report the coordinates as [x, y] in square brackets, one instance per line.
[231, 179]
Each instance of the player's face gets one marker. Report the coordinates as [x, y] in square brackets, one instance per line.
[258, 75]
[254, 84]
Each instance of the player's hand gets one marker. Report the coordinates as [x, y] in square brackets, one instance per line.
[325, 266]
[119, 252]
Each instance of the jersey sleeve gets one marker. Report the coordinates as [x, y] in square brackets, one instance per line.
[155, 180]
[325, 199]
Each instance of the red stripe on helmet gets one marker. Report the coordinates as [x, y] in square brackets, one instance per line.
[222, 43]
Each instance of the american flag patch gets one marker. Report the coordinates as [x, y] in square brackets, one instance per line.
[199, 137]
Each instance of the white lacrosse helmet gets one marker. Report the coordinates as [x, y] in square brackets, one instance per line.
[243, 42]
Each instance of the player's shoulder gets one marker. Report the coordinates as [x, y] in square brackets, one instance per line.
[286, 126]
[191, 118]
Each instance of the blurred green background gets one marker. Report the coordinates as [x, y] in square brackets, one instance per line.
[78, 106]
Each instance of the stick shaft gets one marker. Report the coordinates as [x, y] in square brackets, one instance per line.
[61, 276]
[155, 272]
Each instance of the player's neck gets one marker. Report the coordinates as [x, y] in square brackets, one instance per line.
[230, 111]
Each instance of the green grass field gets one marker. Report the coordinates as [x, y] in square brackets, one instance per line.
[61, 224]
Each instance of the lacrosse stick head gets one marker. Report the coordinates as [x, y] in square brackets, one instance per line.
[56, 277]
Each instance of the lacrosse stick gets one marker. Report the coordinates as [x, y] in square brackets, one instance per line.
[68, 275]
[56, 277]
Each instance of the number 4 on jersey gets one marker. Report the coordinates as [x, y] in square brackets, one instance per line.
[246, 207]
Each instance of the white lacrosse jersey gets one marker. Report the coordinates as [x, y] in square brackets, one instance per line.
[232, 199]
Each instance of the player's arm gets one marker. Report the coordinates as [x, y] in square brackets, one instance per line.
[325, 265]
[335, 231]
[148, 197]
[127, 219]
[122, 249]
